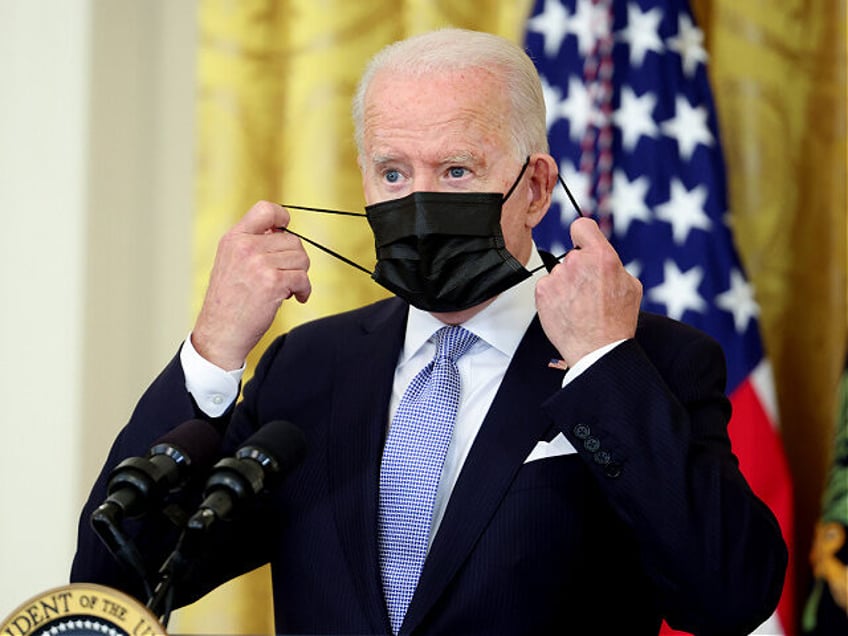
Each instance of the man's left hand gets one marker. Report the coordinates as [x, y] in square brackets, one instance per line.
[588, 300]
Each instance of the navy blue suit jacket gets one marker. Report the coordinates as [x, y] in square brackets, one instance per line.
[650, 519]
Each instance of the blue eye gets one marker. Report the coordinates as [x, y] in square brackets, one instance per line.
[392, 176]
[457, 173]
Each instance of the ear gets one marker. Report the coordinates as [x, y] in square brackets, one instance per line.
[542, 177]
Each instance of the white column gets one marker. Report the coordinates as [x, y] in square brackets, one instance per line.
[43, 130]
[96, 202]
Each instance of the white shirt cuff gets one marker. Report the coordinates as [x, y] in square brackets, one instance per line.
[214, 389]
[588, 360]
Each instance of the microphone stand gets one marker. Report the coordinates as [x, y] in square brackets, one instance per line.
[106, 525]
[175, 567]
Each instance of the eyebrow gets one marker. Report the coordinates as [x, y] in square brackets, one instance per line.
[381, 159]
[460, 157]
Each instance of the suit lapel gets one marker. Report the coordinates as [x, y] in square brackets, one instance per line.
[357, 432]
[509, 432]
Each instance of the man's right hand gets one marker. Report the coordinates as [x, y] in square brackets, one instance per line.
[256, 268]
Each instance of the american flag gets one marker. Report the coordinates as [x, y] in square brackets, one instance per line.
[633, 128]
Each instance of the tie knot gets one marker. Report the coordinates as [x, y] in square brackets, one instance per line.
[453, 342]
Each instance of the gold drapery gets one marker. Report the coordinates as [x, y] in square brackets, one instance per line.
[778, 71]
[275, 81]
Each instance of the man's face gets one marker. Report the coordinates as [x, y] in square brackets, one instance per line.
[443, 133]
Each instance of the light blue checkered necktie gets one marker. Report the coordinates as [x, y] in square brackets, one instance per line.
[415, 451]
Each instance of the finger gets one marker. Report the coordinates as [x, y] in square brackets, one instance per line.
[291, 282]
[286, 254]
[586, 233]
[301, 287]
[281, 241]
[263, 216]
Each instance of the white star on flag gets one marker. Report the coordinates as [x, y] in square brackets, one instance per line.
[552, 24]
[642, 32]
[628, 201]
[689, 44]
[684, 211]
[679, 290]
[739, 301]
[577, 108]
[688, 127]
[585, 24]
[634, 117]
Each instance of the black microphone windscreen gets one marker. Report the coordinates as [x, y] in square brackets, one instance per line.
[197, 439]
[282, 441]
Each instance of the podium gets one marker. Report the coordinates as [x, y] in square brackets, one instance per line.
[81, 609]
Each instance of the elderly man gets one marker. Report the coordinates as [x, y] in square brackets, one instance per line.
[457, 482]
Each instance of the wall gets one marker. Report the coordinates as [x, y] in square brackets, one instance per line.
[96, 201]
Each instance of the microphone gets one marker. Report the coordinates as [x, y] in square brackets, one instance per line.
[139, 483]
[262, 461]
[259, 464]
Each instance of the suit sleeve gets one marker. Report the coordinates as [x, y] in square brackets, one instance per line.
[234, 548]
[657, 445]
[163, 406]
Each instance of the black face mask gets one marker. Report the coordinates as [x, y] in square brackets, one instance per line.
[440, 251]
[444, 251]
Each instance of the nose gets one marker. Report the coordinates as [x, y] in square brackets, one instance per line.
[425, 183]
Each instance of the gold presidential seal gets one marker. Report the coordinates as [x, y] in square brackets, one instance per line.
[81, 609]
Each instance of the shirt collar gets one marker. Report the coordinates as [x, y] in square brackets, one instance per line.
[501, 325]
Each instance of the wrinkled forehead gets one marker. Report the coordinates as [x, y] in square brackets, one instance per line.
[459, 111]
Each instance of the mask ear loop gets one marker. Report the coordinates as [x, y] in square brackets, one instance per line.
[517, 180]
[570, 196]
[576, 208]
[322, 210]
[327, 250]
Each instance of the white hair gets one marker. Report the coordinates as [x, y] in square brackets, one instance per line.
[460, 49]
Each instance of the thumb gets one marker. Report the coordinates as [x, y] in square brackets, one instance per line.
[263, 216]
[585, 233]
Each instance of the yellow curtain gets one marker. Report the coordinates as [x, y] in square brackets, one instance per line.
[276, 77]
[778, 70]
[275, 82]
